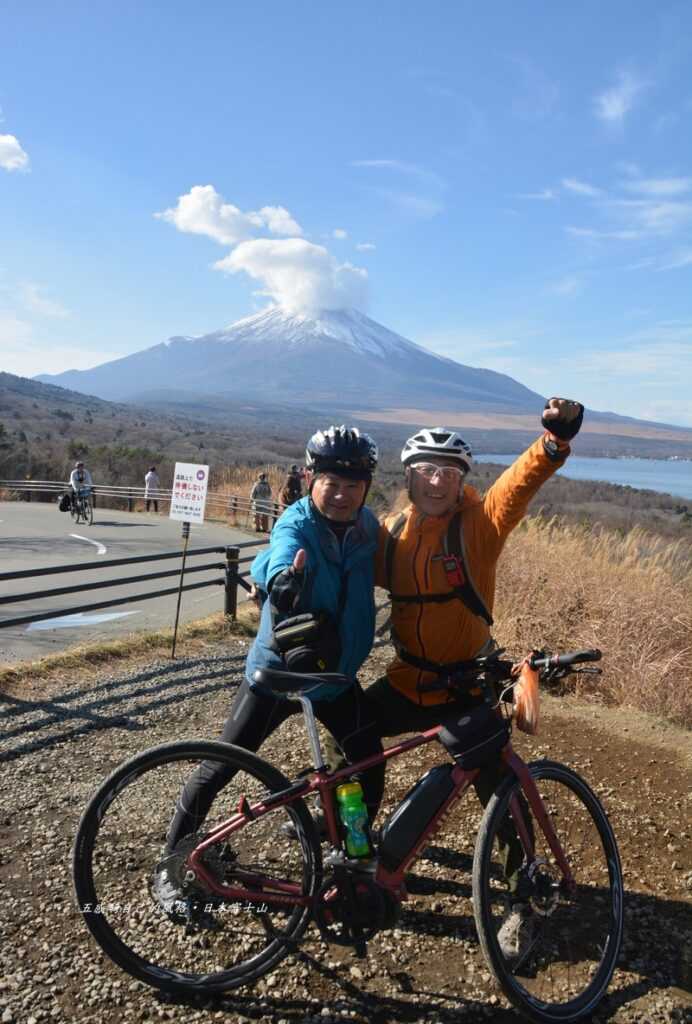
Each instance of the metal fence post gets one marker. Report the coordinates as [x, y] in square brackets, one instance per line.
[234, 510]
[231, 587]
[130, 501]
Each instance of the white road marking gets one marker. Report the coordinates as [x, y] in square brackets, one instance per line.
[101, 547]
[80, 619]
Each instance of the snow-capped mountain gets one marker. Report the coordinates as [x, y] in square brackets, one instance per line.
[340, 357]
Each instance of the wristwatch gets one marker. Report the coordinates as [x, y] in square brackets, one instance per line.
[554, 449]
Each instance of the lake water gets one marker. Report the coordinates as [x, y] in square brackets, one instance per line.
[667, 476]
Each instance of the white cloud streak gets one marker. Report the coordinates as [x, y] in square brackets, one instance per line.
[339, 233]
[422, 174]
[659, 186]
[613, 104]
[31, 298]
[545, 196]
[566, 286]
[12, 156]
[202, 211]
[365, 247]
[299, 276]
[581, 188]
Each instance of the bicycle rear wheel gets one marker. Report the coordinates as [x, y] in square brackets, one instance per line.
[120, 842]
[570, 940]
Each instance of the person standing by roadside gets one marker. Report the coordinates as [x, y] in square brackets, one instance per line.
[152, 485]
[260, 496]
[292, 489]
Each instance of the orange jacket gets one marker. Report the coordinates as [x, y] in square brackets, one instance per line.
[448, 632]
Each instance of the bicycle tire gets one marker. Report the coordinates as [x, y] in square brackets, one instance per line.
[74, 511]
[119, 927]
[573, 951]
[88, 511]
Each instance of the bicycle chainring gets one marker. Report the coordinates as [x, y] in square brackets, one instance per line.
[351, 921]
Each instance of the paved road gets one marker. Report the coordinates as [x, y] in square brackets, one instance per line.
[37, 535]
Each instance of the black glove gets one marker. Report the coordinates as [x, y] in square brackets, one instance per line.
[561, 426]
[286, 590]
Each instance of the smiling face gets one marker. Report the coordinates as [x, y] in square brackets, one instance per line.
[336, 497]
[435, 485]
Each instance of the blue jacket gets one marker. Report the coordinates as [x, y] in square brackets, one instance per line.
[326, 564]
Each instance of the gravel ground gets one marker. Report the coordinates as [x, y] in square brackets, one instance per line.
[57, 741]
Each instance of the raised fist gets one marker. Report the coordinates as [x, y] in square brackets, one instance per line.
[562, 418]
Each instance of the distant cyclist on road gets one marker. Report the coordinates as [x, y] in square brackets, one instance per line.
[438, 560]
[80, 482]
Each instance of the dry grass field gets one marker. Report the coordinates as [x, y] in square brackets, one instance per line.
[568, 587]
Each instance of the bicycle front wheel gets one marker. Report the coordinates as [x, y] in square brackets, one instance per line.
[552, 949]
[88, 511]
[120, 844]
[74, 510]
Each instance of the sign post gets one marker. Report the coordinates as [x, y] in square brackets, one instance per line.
[188, 499]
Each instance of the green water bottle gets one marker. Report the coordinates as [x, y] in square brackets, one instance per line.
[354, 816]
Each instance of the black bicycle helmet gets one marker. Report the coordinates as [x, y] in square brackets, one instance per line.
[342, 450]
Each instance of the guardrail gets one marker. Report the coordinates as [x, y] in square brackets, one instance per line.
[234, 506]
[231, 579]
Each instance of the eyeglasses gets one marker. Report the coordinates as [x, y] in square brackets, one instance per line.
[429, 470]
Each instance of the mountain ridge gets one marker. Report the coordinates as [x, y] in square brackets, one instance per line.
[341, 352]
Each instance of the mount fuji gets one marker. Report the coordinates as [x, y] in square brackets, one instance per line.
[340, 357]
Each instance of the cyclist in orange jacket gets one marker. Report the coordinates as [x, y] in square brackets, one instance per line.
[438, 560]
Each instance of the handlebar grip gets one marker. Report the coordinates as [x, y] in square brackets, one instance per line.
[565, 660]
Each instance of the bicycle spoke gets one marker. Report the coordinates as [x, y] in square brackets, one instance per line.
[225, 942]
[551, 947]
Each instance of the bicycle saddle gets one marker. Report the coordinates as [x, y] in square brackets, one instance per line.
[293, 682]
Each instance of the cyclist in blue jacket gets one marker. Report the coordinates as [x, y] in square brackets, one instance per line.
[320, 560]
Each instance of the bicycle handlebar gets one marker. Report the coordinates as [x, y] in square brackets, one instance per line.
[564, 660]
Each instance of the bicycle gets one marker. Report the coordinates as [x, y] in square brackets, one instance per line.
[82, 508]
[250, 893]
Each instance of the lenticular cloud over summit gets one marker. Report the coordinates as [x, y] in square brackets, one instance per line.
[297, 275]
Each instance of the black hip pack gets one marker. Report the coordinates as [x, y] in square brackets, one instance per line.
[309, 642]
[475, 737]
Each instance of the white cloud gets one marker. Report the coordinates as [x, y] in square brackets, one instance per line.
[568, 285]
[659, 186]
[298, 275]
[546, 195]
[613, 104]
[31, 298]
[595, 235]
[12, 156]
[654, 217]
[366, 247]
[681, 259]
[339, 233]
[422, 174]
[582, 188]
[279, 221]
[418, 206]
[202, 211]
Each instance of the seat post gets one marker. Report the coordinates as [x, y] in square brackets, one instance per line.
[313, 734]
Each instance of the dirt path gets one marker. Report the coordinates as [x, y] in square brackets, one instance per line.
[57, 744]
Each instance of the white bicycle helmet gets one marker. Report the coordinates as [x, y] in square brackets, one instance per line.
[437, 441]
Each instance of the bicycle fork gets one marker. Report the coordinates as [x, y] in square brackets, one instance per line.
[536, 804]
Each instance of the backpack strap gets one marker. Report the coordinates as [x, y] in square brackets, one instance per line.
[392, 535]
[453, 545]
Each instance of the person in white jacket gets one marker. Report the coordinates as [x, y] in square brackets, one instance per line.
[152, 485]
[80, 481]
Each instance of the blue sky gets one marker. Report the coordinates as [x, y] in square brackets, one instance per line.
[510, 185]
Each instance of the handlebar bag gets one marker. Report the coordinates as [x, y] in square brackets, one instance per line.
[474, 737]
[309, 642]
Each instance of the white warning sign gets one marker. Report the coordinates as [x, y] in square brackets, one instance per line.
[189, 492]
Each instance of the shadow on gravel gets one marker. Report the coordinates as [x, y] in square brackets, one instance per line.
[343, 994]
[102, 712]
